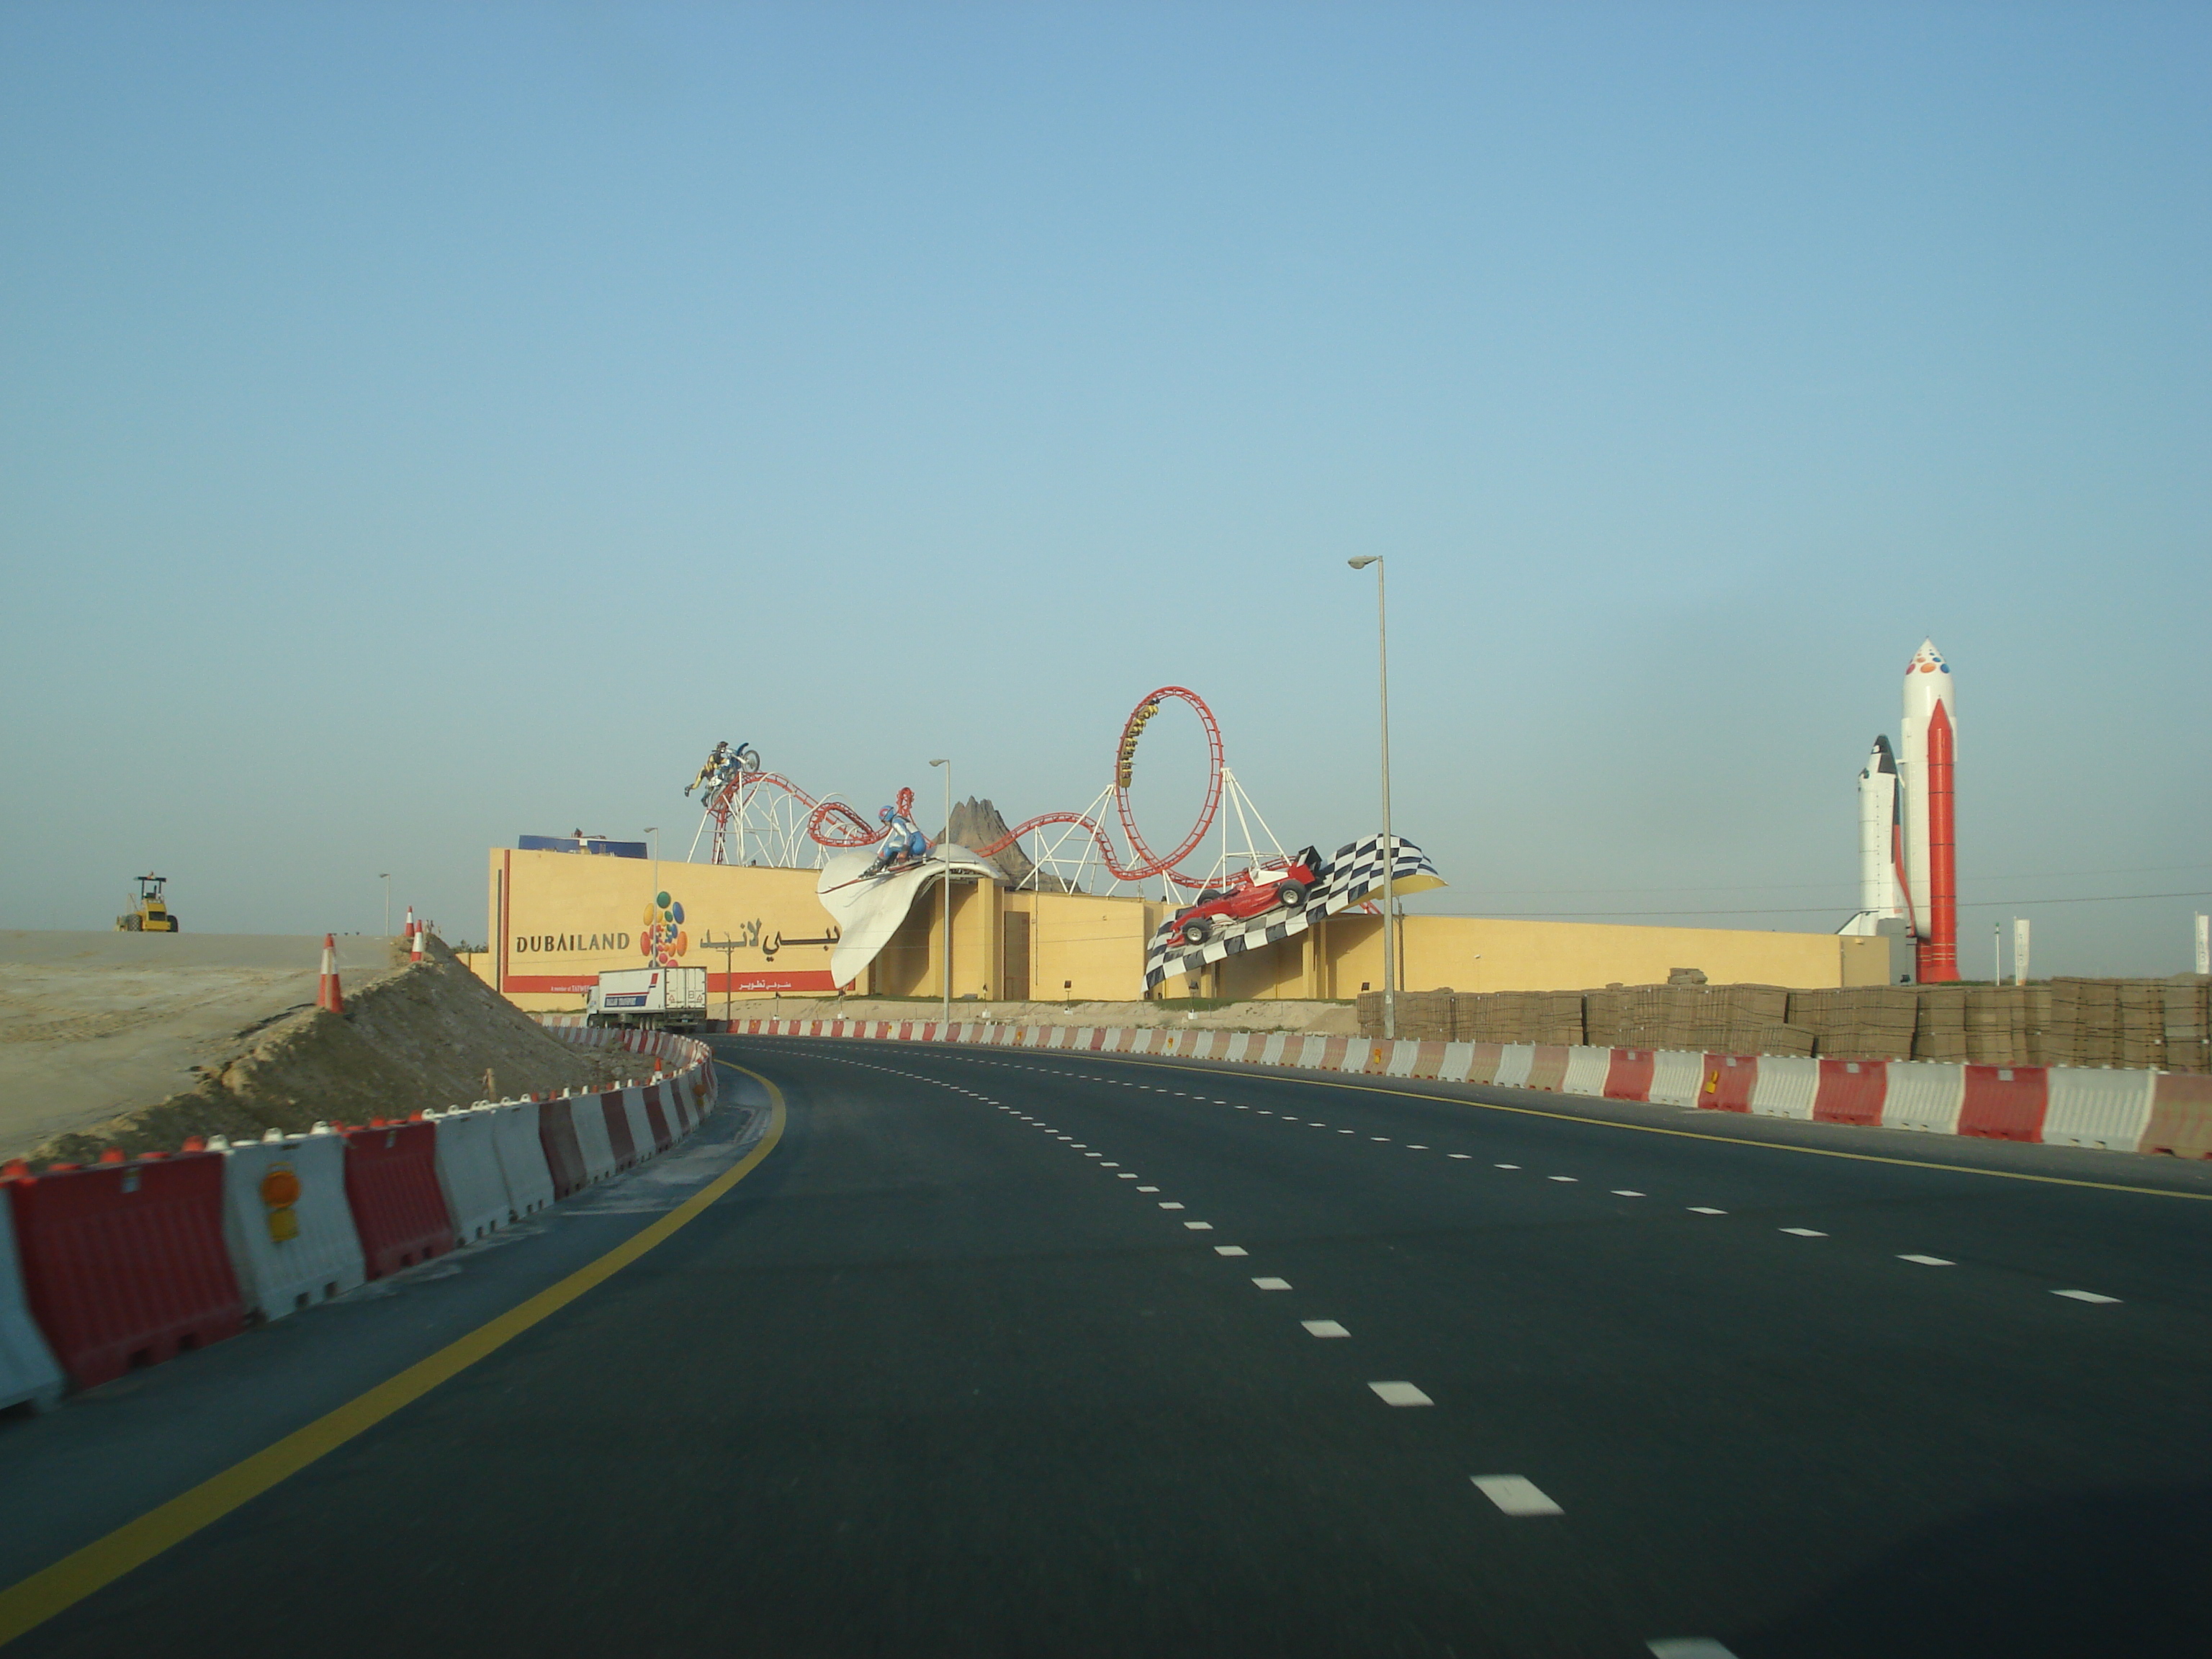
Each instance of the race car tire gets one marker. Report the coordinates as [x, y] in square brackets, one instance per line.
[1196, 931]
[1290, 893]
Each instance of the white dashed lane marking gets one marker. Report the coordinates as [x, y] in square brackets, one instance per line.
[1568, 1178]
[1805, 1232]
[1148, 1189]
[1687, 1647]
[1705, 1209]
[1231, 1249]
[1399, 1394]
[1624, 1192]
[1272, 1283]
[1323, 1328]
[1515, 1494]
[2085, 1296]
[1200, 1226]
[1928, 1260]
[1507, 1166]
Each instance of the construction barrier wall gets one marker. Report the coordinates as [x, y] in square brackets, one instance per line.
[287, 1224]
[123, 1262]
[2116, 1110]
[132, 1260]
[28, 1372]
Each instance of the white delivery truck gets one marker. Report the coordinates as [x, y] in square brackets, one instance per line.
[664, 998]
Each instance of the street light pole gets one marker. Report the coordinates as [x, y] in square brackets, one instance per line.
[385, 877]
[727, 947]
[1390, 846]
[944, 841]
[652, 899]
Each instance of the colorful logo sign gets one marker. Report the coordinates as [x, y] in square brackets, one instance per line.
[664, 939]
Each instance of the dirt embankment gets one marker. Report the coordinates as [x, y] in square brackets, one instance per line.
[432, 1035]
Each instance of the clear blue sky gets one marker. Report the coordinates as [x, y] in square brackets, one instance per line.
[420, 426]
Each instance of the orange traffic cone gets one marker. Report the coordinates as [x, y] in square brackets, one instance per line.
[415, 945]
[327, 994]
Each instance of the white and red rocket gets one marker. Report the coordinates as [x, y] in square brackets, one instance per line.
[1930, 745]
[1908, 852]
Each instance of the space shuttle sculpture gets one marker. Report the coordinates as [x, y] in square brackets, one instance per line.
[1908, 844]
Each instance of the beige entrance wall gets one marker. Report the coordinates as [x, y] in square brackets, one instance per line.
[557, 919]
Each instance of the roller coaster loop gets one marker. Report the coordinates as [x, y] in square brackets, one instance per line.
[1143, 860]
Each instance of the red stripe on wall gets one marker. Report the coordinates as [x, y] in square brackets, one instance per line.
[811, 979]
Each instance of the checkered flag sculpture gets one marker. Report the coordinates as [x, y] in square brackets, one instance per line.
[1351, 877]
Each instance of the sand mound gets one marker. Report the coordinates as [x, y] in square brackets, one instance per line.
[424, 1038]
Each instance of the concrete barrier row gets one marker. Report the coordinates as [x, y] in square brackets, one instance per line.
[2131, 1111]
[129, 1261]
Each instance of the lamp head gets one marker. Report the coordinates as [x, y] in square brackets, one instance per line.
[940, 763]
[1361, 563]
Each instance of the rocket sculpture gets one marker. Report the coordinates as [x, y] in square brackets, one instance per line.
[1908, 862]
[1931, 865]
[1882, 841]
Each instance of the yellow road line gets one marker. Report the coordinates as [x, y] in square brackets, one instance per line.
[1286, 1075]
[26, 1605]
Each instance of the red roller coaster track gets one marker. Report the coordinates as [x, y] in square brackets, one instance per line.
[833, 824]
[829, 822]
[1144, 861]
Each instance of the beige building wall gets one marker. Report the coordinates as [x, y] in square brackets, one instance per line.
[1477, 953]
[1084, 948]
[912, 963]
[558, 919]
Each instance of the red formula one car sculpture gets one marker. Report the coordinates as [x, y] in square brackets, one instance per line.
[1250, 893]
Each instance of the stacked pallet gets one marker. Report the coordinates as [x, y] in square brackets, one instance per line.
[1866, 1022]
[1739, 1019]
[1625, 1016]
[1549, 1017]
[2188, 1023]
[2006, 1025]
[2136, 1024]
[1425, 1015]
[1730, 1019]
[2091, 1026]
[1940, 1032]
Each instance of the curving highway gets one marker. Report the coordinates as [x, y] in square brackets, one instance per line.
[999, 1352]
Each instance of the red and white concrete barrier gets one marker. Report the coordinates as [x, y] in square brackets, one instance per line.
[2116, 1111]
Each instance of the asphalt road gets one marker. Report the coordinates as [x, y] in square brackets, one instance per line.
[1009, 1353]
